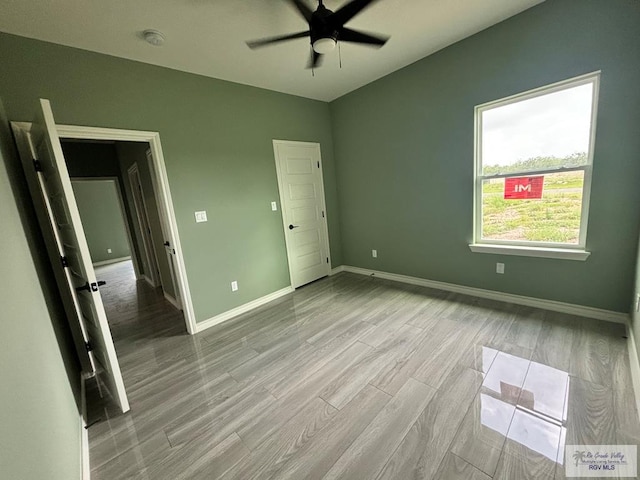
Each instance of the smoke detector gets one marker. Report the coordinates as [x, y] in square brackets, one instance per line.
[153, 37]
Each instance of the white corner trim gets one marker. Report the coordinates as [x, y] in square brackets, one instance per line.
[634, 363]
[335, 271]
[85, 466]
[540, 252]
[171, 300]
[148, 280]
[229, 314]
[110, 261]
[570, 308]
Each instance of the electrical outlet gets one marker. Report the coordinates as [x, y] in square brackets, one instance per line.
[234, 286]
[109, 250]
[201, 216]
[374, 253]
[499, 267]
[274, 206]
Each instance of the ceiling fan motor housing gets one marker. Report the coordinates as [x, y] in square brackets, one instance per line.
[321, 26]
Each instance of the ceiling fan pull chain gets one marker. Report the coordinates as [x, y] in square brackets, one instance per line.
[313, 70]
[340, 54]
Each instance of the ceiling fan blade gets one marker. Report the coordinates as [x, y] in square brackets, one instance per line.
[349, 35]
[314, 60]
[262, 42]
[303, 8]
[350, 10]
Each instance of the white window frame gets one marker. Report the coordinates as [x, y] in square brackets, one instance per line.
[530, 248]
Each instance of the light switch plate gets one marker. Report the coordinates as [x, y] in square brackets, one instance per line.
[499, 267]
[234, 286]
[201, 217]
[274, 206]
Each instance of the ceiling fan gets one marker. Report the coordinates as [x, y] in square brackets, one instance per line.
[326, 29]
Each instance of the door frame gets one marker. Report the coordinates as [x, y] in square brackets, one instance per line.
[325, 230]
[134, 258]
[152, 277]
[164, 193]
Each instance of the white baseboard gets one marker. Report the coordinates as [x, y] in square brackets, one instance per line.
[110, 261]
[172, 300]
[336, 270]
[634, 362]
[229, 314]
[85, 466]
[580, 310]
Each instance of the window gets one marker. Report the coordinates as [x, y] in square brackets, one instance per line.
[534, 154]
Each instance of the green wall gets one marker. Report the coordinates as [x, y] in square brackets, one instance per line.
[216, 137]
[39, 370]
[102, 218]
[404, 154]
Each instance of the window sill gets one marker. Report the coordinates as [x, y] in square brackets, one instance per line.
[541, 252]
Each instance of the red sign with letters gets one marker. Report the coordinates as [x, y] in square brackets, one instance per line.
[523, 187]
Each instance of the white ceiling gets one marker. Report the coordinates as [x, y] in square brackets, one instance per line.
[208, 37]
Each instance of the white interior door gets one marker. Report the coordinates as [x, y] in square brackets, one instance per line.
[299, 169]
[152, 273]
[54, 186]
[169, 249]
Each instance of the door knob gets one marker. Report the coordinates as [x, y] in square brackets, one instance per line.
[167, 244]
[291, 227]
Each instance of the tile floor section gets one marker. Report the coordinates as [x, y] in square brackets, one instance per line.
[359, 378]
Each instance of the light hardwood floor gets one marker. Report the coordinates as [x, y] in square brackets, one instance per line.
[359, 378]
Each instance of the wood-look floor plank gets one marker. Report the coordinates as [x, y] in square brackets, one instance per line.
[200, 458]
[267, 459]
[448, 350]
[135, 455]
[624, 400]
[390, 381]
[237, 411]
[429, 438]
[455, 468]
[370, 451]
[590, 414]
[343, 388]
[314, 459]
[268, 421]
[153, 418]
[511, 467]
[555, 340]
[590, 357]
[284, 380]
[483, 431]
[526, 330]
[242, 399]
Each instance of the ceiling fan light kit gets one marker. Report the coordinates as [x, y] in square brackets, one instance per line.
[326, 29]
[324, 45]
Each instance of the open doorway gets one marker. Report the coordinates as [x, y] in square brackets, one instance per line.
[117, 200]
[39, 145]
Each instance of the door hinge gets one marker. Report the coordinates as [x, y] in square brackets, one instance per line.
[327, 259]
[37, 165]
[318, 164]
[88, 346]
[322, 213]
[64, 262]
